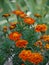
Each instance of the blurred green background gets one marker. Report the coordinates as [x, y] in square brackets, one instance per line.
[34, 6]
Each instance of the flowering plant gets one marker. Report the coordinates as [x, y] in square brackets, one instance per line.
[25, 42]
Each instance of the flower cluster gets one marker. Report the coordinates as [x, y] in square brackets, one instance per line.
[27, 19]
[20, 13]
[27, 55]
[17, 37]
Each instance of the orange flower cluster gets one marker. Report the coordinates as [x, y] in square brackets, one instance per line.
[21, 43]
[29, 20]
[38, 43]
[47, 46]
[20, 13]
[12, 25]
[35, 58]
[6, 15]
[41, 28]
[45, 37]
[14, 36]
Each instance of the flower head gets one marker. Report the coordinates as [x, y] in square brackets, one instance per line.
[25, 54]
[12, 25]
[4, 28]
[35, 58]
[6, 15]
[20, 13]
[41, 28]
[23, 15]
[37, 15]
[29, 20]
[14, 36]
[21, 43]
[38, 43]
[45, 37]
[17, 12]
[47, 46]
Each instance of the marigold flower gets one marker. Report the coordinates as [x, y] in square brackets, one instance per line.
[21, 43]
[23, 15]
[45, 37]
[44, 28]
[37, 15]
[20, 13]
[41, 28]
[38, 43]
[35, 58]
[12, 25]
[5, 29]
[6, 15]
[47, 46]
[25, 54]
[29, 20]
[14, 36]
[17, 12]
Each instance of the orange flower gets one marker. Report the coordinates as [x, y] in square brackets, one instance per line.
[25, 54]
[14, 36]
[29, 20]
[20, 13]
[38, 43]
[6, 15]
[23, 15]
[21, 43]
[47, 46]
[17, 12]
[12, 25]
[37, 15]
[41, 28]
[45, 37]
[5, 29]
[35, 58]
[44, 27]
